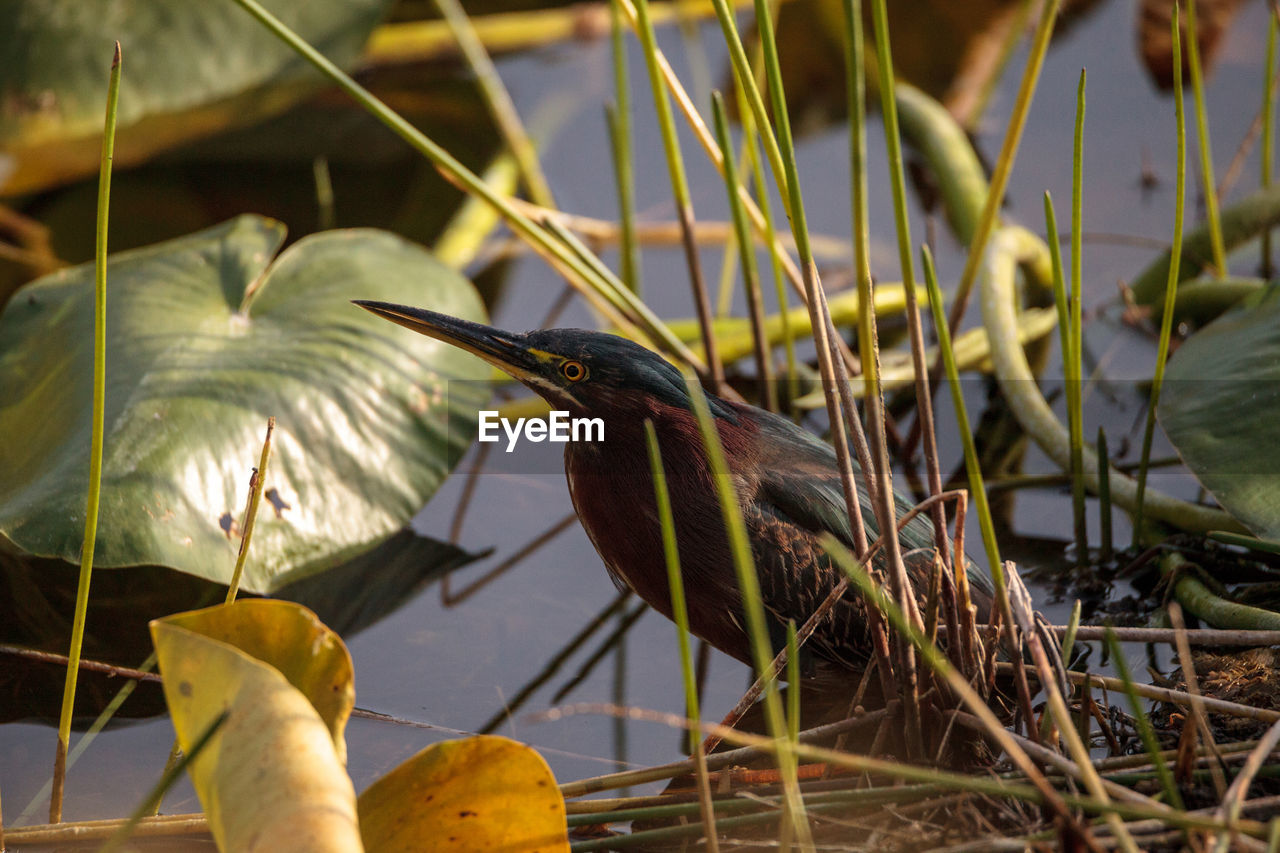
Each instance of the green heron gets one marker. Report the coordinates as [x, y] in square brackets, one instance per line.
[786, 478]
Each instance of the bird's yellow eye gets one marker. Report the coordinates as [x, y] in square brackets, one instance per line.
[574, 371]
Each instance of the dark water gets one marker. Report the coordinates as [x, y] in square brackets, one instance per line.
[456, 667]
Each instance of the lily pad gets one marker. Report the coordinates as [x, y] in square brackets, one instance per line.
[190, 69]
[206, 338]
[1220, 405]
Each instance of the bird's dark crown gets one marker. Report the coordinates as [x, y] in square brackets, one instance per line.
[618, 371]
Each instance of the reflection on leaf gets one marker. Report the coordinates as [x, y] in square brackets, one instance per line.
[205, 341]
[36, 597]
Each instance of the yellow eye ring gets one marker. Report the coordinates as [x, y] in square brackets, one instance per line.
[574, 371]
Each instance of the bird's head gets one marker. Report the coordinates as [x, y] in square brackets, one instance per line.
[584, 372]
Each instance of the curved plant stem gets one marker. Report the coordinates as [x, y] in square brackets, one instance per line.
[1018, 384]
[1198, 599]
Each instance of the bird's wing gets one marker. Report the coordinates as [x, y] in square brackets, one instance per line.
[798, 475]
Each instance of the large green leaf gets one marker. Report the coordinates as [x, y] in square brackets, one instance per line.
[190, 68]
[1220, 407]
[204, 343]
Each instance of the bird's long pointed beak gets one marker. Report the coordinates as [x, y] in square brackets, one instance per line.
[501, 349]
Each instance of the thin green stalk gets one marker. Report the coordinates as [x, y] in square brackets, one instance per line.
[619, 122]
[96, 439]
[775, 262]
[1171, 283]
[324, 193]
[163, 784]
[749, 587]
[902, 226]
[793, 683]
[867, 332]
[1073, 627]
[746, 249]
[680, 613]
[832, 369]
[1106, 536]
[746, 80]
[1143, 722]
[1075, 405]
[501, 107]
[977, 489]
[1268, 129]
[1004, 161]
[256, 482]
[1202, 133]
[1070, 362]
[579, 274]
[679, 187]
[85, 740]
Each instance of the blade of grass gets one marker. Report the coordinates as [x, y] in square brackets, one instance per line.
[325, 216]
[679, 188]
[1004, 161]
[96, 439]
[1143, 723]
[1071, 370]
[620, 137]
[1075, 404]
[680, 613]
[902, 227]
[882, 496]
[166, 781]
[749, 586]
[1106, 537]
[1268, 129]
[977, 489]
[775, 263]
[1208, 183]
[256, 481]
[976, 486]
[750, 272]
[1171, 284]
[498, 100]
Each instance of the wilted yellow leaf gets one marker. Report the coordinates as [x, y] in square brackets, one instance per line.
[482, 793]
[293, 640]
[271, 778]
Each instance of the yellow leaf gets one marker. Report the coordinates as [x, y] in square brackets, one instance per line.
[272, 777]
[482, 793]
